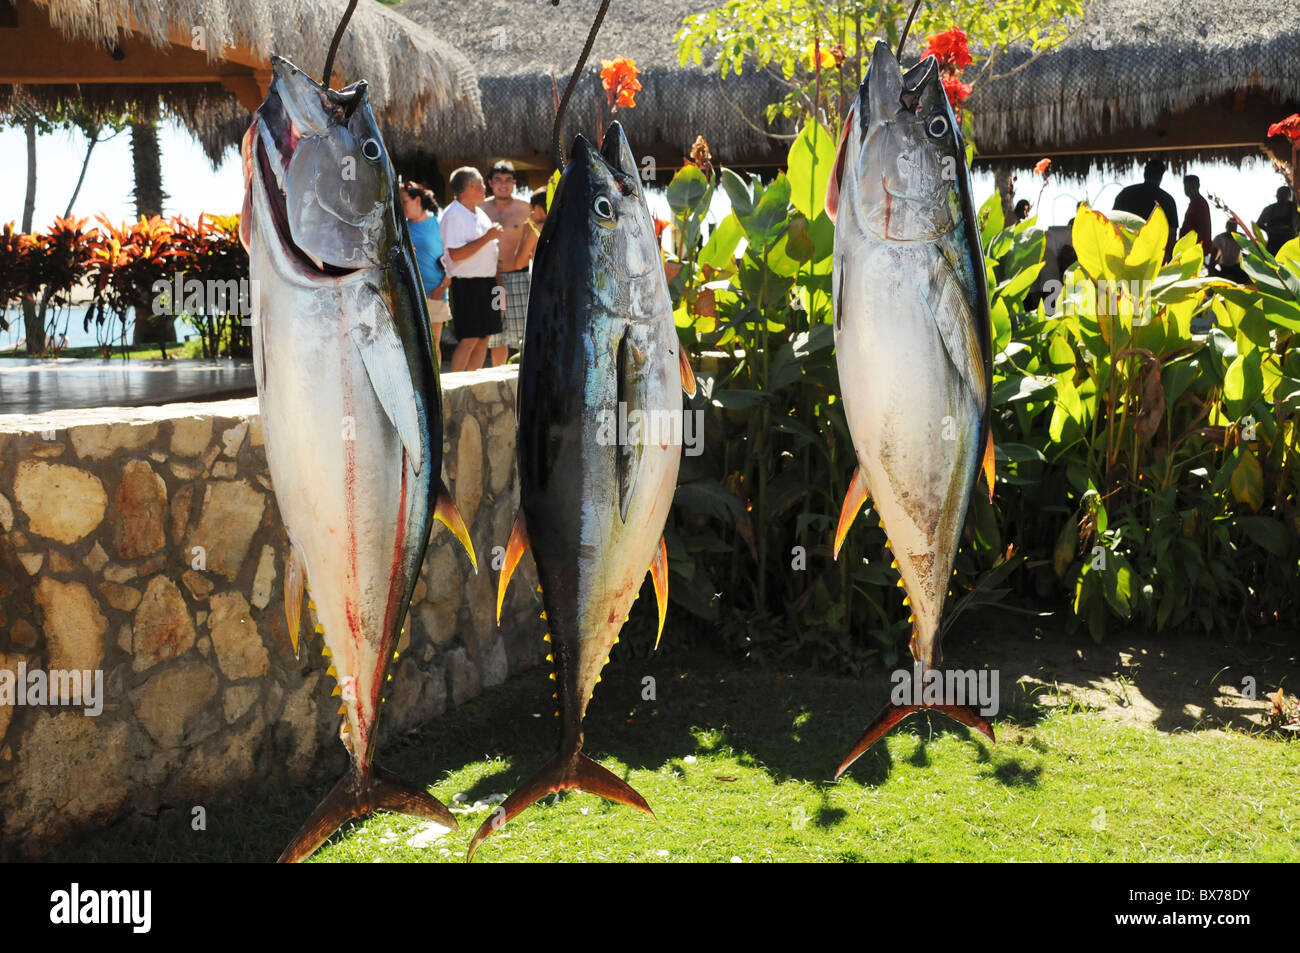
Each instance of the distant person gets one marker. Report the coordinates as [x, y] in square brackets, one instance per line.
[1141, 200]
[470, 239]
[1021, 211]
[1225, 258]
[528, 240]
[421, 210]
[510, 213]
[1279, 220]
[1197, 217]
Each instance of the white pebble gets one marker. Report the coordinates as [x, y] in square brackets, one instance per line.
[689, 759]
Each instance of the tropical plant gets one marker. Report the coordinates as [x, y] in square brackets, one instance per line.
[818, 49]
[1145, 474]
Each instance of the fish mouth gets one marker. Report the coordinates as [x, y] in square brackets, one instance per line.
[287, 115]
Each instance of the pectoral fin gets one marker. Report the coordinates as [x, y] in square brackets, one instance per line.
[630, 368]
[853, 500]
[390, 375]
[514, 552]
[445, 512]
[294, 577]
[659, 575]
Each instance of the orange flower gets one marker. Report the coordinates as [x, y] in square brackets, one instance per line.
[951, 48]
[619, 77]
[1041, 167]
[1289, 127]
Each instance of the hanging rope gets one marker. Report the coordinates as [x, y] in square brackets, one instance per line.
[906, 27]
[334, 44]
[556, 147]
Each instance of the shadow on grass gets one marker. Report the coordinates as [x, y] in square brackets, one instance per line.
[792, 727]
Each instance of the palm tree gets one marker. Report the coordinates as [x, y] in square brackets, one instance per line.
[146, 159]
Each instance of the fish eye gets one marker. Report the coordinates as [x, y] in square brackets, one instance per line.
[603, 207]
[371, 149]
[937, 126]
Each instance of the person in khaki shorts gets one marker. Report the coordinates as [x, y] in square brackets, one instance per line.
[512, 215]
[421, 210]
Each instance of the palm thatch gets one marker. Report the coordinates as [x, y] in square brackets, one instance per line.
[1165, 76]
[419, 84]
[518, 46]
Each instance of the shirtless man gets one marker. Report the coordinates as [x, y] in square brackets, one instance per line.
[511, 214]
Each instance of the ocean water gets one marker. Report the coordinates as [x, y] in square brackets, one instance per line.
[69, 322]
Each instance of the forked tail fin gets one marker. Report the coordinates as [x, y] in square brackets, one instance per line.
[968, 715]
[574, 772]
[355, 796]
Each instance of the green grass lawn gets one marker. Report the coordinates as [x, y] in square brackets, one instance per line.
[736, 764]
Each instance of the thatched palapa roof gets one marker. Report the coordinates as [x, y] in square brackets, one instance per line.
[518, 45]
[207, 61]
[1185, 77]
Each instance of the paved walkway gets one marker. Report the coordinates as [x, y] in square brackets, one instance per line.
[34, 386]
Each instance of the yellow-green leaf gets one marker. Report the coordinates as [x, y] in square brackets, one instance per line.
[1148, 252]
[1248, 481]
[1099, 245]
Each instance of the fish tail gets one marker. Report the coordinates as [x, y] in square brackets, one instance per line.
[574, 772]
[356, 795]
[892, 714]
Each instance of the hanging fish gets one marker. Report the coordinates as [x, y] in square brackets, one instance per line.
[601, 347]
[350, 402]
[913, 339]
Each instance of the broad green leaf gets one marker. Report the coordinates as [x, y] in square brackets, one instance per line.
[720, 250]
[686, 190]
[1023, 387]
[739, 194]
[1267, 533]
[1019, 283]
[809, 167]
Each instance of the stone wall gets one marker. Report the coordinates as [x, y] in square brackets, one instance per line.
[146, 543]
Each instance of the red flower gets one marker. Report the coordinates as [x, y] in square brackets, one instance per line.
[950, 48]
[956, 90]
[1041, 167]
[1289, 127]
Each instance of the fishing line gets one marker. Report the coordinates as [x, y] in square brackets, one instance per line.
[334, 43]
[906, 27]
[573, 80]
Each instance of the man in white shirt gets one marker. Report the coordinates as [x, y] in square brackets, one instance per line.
[470, 240]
